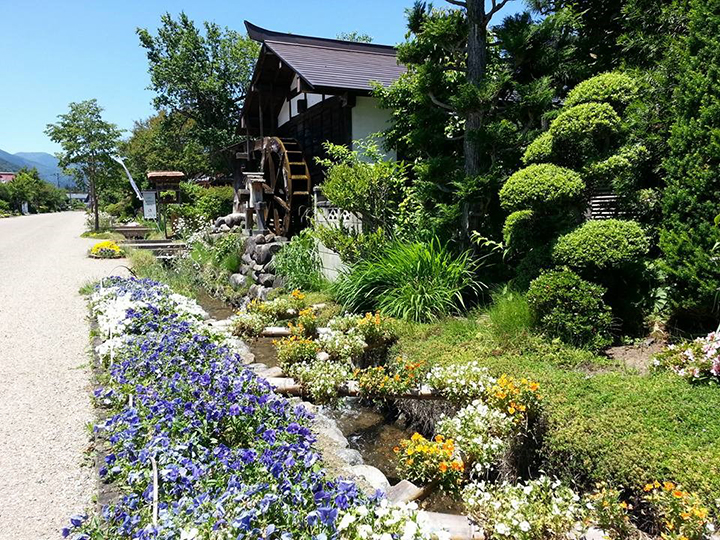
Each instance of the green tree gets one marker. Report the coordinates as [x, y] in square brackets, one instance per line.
[202, 77]
[690, 200]
[358, 37]
[87, 143]
[529, 64]
[28, 187]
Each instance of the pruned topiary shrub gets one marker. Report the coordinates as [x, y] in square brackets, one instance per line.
[540, 150]
[602, 245]
[566, 306]
[616, 88]
[518, 230]
[542, 187]
[583, 132]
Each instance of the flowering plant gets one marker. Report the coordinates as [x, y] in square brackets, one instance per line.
[199, 446]
[425, 462]
[541, 508]
[480, 433]
[250, 324]
[386, 522]
[517, 398]
[460, 383]
[106, 250]
[397, 378]
[697, 360]
[683, 515]
[609, 512]
[375, 329]
[321, 378]
[306, 324]
[342, 346]
[295, 349]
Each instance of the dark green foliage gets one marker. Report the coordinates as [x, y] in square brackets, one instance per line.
[567, 307]
[532, 265]
[583, 132]
[615, 88]
[201, 205]
[298, 263]
[517, 232]
[202, 74]
[29, 187]
[602, 245]
[543, 187]
[415, 281]
[351, 245]
[690, 201]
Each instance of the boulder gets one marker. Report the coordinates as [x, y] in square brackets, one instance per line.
[266, 280]
[333, 433]
[259, 239]
[258, 291]
[246, 258]
[263, 253]
[350, 456]
[278, 282]
[237, 280]
[224, 228]
[269, 237]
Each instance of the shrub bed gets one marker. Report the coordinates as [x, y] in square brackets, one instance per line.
[199, 446]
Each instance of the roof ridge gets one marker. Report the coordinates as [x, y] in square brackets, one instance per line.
[318, 46]
[261, 34]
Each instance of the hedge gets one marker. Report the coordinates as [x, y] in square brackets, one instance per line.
[615, 88]
[542, 187]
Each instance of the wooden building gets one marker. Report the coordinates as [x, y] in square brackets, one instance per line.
[316, 89]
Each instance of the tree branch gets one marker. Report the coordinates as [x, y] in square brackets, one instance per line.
[457, 3]
[496, 6]
[439, 103]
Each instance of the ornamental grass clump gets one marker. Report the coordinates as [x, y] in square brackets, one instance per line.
[416, 281]
[106, 250]
[430, 462]
[198, 446]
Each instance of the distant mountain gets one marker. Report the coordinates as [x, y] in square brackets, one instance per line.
[46, 164]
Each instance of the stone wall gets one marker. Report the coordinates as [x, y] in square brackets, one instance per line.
[256, 267]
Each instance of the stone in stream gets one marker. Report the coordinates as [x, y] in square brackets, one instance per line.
[350, 456]
[372, 476]
[237, 280]
[404, 491]
[266, 280]
[264, 253]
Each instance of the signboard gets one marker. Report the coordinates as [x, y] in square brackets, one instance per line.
[149, 204]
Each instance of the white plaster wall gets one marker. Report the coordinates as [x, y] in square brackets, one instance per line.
[289, 107]
[368, 119]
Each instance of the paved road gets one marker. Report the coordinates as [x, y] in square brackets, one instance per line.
[44, 378]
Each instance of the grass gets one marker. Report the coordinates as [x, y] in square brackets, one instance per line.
[105, 235]
[145, 265]
[603, 422]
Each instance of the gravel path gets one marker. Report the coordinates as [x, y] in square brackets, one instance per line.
[44, 377]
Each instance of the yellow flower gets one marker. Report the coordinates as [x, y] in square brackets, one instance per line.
[648, 487]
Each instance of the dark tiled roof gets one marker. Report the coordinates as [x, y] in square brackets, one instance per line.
[331, 63]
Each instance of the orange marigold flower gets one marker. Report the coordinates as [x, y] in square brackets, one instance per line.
[668, 486]
[396, 449]
[648, 487]
[443, 467]
[678, 494]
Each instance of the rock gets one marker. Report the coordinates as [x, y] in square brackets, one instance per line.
[372, 476]
[258, 267]
[258, 291]
[404, 491]
[594, 534]
[309, 407]
[270, 372]
[245, 269]
[264, 253]
[266, 280]
[247, 259]
[237, 280]
[350, 456]
[224, 228]
[327, 429]
[257, 366]
[259, 239]
[322, 356]
[278, 282]
[269, 237]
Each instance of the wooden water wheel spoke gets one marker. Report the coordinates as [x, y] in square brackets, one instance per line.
[287, 184]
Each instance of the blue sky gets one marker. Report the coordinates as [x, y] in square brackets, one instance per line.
[55, 52]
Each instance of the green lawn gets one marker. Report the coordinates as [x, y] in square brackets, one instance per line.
[603, 422]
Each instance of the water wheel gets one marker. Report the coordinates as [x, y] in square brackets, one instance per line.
[287, 185]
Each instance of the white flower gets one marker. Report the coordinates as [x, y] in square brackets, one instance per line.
[501, 528]
[345, 522]
[189, 534]
[524, 526]
[364, 531]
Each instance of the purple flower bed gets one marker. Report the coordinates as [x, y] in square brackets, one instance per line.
[233, 459]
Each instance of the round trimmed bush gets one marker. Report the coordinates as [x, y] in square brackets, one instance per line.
[581, 132]
[542, 187]
[615, 88]
[567, 307]
[518, 230]
[602, 245]
[540, 150]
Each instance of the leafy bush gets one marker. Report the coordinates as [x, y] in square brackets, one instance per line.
[201, 205]
[540, 150]
[567, 307]
[349, 244]
[509, 316]
[615, 88]
[542, 187]
[414, 281]
[583, 132]
[518, 231]
[602, 245]
[298, 263]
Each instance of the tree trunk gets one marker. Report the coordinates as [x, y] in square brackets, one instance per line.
[476, 67]
[96, 211]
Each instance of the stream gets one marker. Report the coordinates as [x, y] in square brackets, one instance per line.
[367, 429]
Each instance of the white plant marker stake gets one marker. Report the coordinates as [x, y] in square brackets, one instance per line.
[155, 490]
